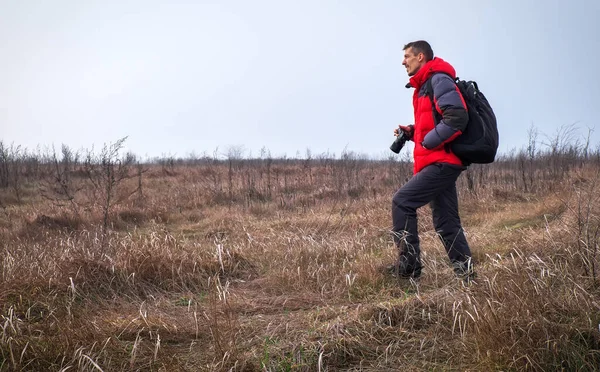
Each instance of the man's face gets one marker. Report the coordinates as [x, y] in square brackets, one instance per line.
[412, 61]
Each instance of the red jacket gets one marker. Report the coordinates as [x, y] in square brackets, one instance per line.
[451, 107]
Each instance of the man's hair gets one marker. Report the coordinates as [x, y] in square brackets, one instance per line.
[421, 46]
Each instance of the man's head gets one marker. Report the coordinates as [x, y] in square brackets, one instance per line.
[416, 54]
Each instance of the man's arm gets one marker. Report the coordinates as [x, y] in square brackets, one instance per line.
[450, 103]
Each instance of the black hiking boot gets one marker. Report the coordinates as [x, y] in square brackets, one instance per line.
[464, 270]
[405, 268]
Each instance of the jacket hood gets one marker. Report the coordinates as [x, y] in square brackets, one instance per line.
[435, 65]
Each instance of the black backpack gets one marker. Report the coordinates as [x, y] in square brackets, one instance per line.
[479, 142]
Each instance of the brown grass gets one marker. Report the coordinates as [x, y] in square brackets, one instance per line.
[279, 270]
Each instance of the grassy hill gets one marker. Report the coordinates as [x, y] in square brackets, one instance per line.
[275, 264]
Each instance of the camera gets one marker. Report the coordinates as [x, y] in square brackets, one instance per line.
[398, 143]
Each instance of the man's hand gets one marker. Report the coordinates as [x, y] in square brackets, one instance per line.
[407, 129]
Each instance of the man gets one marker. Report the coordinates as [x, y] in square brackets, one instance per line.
[436, 168]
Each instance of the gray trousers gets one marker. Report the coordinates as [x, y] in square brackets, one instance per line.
[434, 184]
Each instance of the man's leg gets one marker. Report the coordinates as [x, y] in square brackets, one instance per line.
[449, 228]
[421, 189]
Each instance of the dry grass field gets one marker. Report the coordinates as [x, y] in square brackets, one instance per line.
[275, 265]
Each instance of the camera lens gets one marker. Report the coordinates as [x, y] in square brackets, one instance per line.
[398, 144]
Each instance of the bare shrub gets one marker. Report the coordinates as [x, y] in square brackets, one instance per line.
[64, 186]
[107, 174]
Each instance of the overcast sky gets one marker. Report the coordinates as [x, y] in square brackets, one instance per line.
[181, 77]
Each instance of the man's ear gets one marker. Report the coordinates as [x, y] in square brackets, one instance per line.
[421, 57]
